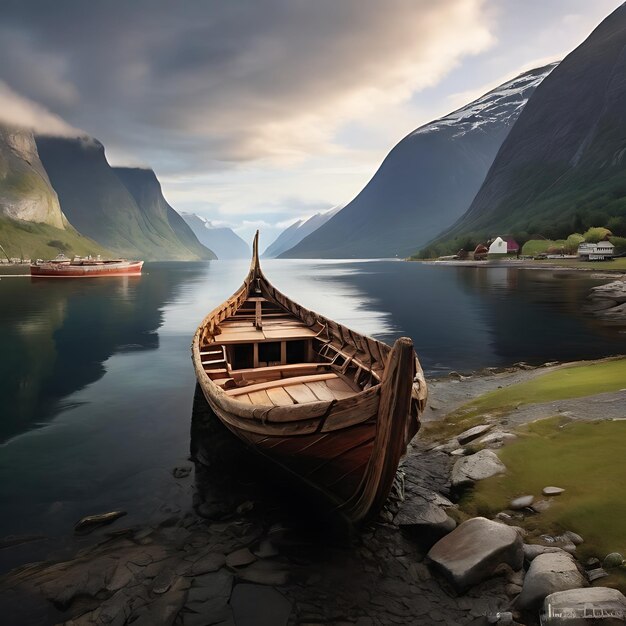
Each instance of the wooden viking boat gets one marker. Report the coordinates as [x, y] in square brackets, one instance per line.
[332, 406]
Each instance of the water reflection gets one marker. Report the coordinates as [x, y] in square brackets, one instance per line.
[57, 335]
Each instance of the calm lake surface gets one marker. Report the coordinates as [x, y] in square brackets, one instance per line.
[97, 384]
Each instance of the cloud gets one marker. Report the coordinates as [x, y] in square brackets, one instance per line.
[16, 110]
[198, 85]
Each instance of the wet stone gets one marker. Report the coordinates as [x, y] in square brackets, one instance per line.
[473, 433]
[552, 491]
[164, 580]
[257, 605]
[181, 471]
[210, 562]
[239, 558]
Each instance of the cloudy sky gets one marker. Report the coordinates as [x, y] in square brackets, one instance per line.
[259, 112]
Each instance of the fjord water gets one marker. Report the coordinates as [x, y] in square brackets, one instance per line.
[97, 384]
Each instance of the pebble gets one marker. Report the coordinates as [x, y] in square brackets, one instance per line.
[181, 472]
[522, 502]
[552, 491]
[595, 574]
[615, 559]
[541, 506]
[89, 523]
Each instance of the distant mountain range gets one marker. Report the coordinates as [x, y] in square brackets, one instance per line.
[223, 241]
[561, 168]
[122, 209]
[426, 182]
[295, 233]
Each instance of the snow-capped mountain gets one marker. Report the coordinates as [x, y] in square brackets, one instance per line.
[223, 241]
[295, 233]
[561, 168]
[426, 182]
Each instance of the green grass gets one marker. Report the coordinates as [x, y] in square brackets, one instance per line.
[573, 381]
[32, 240]
[587, 460]
[541, 246]
[567, 382]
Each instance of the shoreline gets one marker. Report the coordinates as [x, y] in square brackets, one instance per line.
[524, 265]
[236, 538]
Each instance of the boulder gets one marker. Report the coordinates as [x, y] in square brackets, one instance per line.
[469, 469]
[473, 433]
[472, 552]
[429, 521]
[608, 606]
[549, 573]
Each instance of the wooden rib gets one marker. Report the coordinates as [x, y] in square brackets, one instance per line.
[282, 382]
[280, 397]
[301, 393]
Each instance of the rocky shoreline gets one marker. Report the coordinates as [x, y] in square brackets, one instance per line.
[246, 554]
[608, 302]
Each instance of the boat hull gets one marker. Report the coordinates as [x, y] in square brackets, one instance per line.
[347, 446]
[53, 270]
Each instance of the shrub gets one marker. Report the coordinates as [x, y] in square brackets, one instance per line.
[596, 234]
[572, 243]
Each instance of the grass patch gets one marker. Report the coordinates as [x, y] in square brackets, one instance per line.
[541, 246]
[587, 460]
[41, 241]
[574, 381]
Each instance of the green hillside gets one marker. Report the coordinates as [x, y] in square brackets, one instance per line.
[41, 241]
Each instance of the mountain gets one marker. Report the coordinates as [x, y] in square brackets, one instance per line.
[32, 224]
[146, 190]
[561, 169]
[426, 182]
[223, 241]
[295, 233]
[97, 202]
[25, 190]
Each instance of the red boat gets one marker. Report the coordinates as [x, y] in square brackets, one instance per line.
[62, 267]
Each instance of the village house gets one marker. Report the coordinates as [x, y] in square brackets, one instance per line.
[600, 251]
[504, 245]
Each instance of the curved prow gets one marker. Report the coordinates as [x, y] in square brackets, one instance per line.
[255, 265]
[392, 429]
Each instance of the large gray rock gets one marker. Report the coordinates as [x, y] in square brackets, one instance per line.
[469, 469]
[549, 573]
[607, 605]
[429, 521]
[472, 552]
[532, 551]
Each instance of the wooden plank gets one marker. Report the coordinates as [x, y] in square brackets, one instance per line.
[288, 333]
[301, 393]
[247, 337]
[283, 382]
[258, 322]
[260, 397]
[320, 389]
[279, 397]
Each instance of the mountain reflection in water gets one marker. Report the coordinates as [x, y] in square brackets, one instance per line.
[97, 383]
